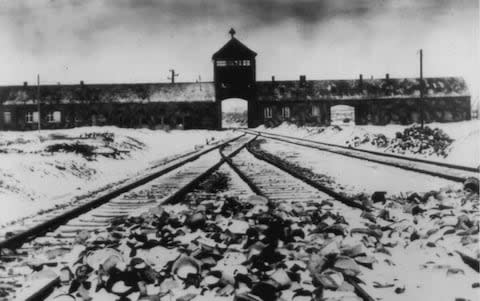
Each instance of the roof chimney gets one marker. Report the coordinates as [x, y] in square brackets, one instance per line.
[81, 83]
[25, 84]
[387, 76]
[303, 80]
[360, 80]
[273, 78]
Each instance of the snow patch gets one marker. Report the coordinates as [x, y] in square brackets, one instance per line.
[464, 150]
[32, 177]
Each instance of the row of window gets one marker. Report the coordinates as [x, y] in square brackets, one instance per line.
[268, 112]
[224, 63]
[52, 117]
[56, 116]
[32, 117]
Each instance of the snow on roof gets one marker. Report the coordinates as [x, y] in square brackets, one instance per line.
[356, 89]
[106, 93]
[266, 91]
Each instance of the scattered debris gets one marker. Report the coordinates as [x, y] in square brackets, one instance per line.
[413, 140]
[471, 184]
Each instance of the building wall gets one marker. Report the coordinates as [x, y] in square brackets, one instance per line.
[368, 111]
[198, 115]
[130, 106]
[301, 112]
[407, 111]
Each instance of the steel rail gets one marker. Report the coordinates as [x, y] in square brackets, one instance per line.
[48, 288]
[361, 292]
[447, 176]
[20, 238]
[470, 261]
[339, 197]
[395, 156]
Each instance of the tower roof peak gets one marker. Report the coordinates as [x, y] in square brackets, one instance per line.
[232, 32]
[234, 49]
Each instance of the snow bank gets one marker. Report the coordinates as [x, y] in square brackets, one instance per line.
[32, 178]
[353, 176]
[465, 149]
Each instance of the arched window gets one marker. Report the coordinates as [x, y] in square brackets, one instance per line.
[286, 112]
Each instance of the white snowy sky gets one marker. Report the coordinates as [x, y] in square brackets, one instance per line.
[140, 40]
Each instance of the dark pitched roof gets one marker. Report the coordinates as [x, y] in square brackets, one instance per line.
[315, 90]
[106, 93]
[234, 49]
[352, 89]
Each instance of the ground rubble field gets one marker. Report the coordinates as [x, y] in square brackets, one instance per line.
[425, 217]
[218, 245]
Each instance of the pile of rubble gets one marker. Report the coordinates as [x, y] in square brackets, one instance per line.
[224, 249]
[378, 140]
[95, 144]
[221, 249]
[418, 140]
[413, 140]
[216, 247]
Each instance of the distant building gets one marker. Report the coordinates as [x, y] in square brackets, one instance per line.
[198, 105]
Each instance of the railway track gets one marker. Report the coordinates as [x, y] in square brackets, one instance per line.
[297, 169]
[166, 189]
[57, 231]
[279, 184]
[14, 235]
[447, 171]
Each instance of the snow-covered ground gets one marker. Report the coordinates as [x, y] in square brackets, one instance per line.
[32, 177]
[427, 266]
[357, 176]
[234, 113]
[464, 150]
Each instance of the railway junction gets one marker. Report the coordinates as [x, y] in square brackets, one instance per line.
[254, 217]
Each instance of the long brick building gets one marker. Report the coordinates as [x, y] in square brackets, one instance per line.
[198, 105]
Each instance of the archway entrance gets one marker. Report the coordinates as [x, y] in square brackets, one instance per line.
[234, 75]
[342, 114]
[234, 113]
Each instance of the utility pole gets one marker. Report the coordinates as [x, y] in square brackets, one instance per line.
[38, 102]
[200, 81]
[422, 117]
[173, 75]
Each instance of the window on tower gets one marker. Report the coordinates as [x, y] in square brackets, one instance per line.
[229, 63]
